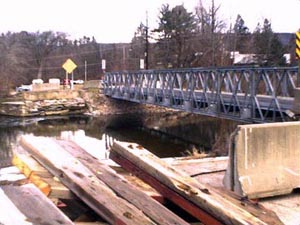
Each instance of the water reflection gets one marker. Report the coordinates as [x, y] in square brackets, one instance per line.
[99, 148]
[161, 135]
[7, 142]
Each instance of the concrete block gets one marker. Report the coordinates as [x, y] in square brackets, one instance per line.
[296, 104]
[45, 86]
[50, 95]
[264, 160]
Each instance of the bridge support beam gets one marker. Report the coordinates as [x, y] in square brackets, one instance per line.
[188, 105]
[167, 101]
[246, 113]
[151, 100]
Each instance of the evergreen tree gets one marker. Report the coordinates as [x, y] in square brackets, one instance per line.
[239, 26]
[268, 49]
[176, 30]
[138, 47]
[241, 36]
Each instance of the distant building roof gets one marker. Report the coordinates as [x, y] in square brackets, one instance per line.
[243, 59]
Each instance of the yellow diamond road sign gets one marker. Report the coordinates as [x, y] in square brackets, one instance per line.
[69, 66]
[298, 45]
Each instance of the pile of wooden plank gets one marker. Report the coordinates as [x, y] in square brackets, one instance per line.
[100, 187]
[118, 197]
[23, 203]
[204, 202]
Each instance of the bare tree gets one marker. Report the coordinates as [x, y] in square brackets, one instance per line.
[42, 45]
[14, 63]
[210, 29]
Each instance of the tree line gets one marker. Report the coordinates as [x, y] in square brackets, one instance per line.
[181, 39]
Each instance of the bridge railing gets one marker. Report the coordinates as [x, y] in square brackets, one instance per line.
[249, 94]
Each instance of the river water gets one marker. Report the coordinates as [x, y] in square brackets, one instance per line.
[164, 135]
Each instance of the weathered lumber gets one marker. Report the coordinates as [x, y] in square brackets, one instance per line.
[11, 175]
[286, 207]
[196, 167]
[24, 164]
[154, 210]
[9, 213]
[27, 165]
[58, 190]
[191, 193]
[83, 182]
[90, 223]
[39, 176]
[165, 191]
[37, 208]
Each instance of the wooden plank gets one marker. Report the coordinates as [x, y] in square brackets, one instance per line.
[165, 191]
[35, 205]
[142, 186]
[180, 183]
[212, 179]
[39, 176]
[9, 213]
[154, 210]
[286, 207]
[9, 170]
[90, 223]
[83, 182]
[58, 190]
[196, 167]
[27, 165]
[137, 182]
[10, 175]
[29, 169]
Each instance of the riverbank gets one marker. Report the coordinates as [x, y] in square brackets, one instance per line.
[43, 103]
[89, 101]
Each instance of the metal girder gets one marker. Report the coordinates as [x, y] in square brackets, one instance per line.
[244, 94]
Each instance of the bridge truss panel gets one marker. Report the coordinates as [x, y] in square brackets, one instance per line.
[244, 94]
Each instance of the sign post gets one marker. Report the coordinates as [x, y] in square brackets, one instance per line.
[297, 51]
[296, 105]
[69, 66]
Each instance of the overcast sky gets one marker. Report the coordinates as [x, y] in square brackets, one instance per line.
[117, 20]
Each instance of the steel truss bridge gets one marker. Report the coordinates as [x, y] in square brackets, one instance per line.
[253, 95]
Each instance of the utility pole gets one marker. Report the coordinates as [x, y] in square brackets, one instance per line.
[85, 70]
[124, 57]
[147, 44]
